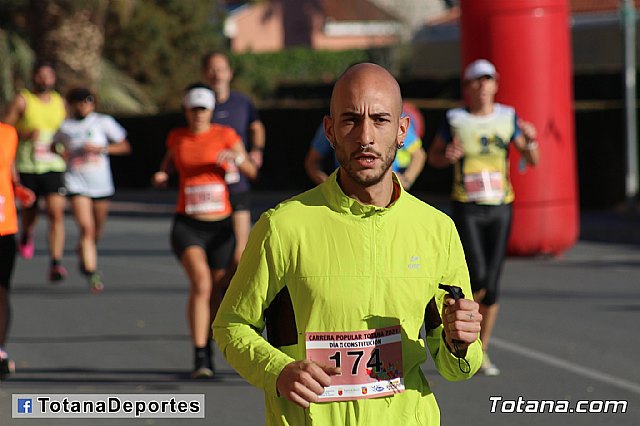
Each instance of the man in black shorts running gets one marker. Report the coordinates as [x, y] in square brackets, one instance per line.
[37, 114]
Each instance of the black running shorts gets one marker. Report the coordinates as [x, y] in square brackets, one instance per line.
[45, 183]
[215, 237]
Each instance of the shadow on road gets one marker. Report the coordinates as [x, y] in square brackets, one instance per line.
[79, 376]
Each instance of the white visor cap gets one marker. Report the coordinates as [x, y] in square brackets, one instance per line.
[480, 68]
[199, 97]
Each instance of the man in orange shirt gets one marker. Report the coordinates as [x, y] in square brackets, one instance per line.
[8, 229]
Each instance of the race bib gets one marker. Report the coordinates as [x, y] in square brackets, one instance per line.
[208, 198]
[371, 362]
[86, 162]
[42, 152]
[484, 186]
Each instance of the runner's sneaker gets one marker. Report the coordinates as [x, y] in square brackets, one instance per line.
[7, 367]
[203, 369]
[57, 273]
[27, 249]
[95, 282]
[488, 368]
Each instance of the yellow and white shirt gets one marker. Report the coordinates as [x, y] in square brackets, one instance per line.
[482, 174]
[35, 156]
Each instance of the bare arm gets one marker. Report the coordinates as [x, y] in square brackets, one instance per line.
[14, 112]
[238, 155]
[418, 158]
[15, 176]
[313, 166]
[161, 177]
[442, 155]
[257, 142]
[121, 148]
[526, 143]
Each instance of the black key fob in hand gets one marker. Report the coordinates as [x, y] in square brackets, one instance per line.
[454, 291]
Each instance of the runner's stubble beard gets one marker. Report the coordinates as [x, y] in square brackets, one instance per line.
[364, 179]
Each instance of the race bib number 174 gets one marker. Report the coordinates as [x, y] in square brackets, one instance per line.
[370, 360]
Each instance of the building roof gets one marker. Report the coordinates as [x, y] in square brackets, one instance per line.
[354, 10]
[591, 6]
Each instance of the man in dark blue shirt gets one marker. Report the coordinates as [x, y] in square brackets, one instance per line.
[235, 110]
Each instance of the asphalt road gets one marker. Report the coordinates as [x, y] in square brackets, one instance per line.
[567, 331]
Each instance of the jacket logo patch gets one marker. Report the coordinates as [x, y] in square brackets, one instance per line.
[414, 262]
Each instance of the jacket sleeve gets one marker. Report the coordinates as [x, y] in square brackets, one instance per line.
[239, 324]
[455, 273]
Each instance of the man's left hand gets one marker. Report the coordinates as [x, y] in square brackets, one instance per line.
[256, 157]
[528, 130]
[461, 320]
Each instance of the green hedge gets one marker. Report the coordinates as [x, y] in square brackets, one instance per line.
[261, 73]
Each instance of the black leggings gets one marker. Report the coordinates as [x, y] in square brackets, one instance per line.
[484, 231]
[7, 259]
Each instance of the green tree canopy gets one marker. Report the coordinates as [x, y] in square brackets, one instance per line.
[150, 48]
[161, 43]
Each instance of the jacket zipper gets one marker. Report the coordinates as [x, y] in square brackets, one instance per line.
[374, 260]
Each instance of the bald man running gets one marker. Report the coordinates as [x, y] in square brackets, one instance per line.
[343, 276]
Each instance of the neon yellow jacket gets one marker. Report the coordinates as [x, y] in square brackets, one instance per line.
[322, 262]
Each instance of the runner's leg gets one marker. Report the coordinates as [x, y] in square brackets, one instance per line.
[194, 262]
[82, 208]
[241, 229]
[55, 212]
[100, 213]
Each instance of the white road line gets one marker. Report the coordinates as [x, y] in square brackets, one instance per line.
[566, 365]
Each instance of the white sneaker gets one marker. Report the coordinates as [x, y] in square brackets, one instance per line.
[488, 368]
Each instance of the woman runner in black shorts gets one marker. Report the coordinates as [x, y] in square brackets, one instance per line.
[202, 234]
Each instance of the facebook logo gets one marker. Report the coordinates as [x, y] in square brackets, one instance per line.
[24, 406]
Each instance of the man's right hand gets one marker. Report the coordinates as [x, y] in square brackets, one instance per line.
[30, 135]
[160, 179]
[26, 196]
[453, 152]
[301, 382]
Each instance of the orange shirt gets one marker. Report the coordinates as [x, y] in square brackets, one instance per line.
[8, 146]
[202, 186]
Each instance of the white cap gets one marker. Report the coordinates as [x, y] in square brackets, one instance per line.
[199, 97]
[479, 68]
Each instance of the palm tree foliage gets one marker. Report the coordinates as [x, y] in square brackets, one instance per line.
[139, 54]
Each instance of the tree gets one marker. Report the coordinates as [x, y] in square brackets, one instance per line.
[69, 33]
[161, 44]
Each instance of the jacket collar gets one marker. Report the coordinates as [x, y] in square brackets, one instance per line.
[338, 201]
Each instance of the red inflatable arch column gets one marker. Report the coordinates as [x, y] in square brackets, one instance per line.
[529, 43]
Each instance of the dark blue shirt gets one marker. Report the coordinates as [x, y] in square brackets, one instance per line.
[237, 112]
